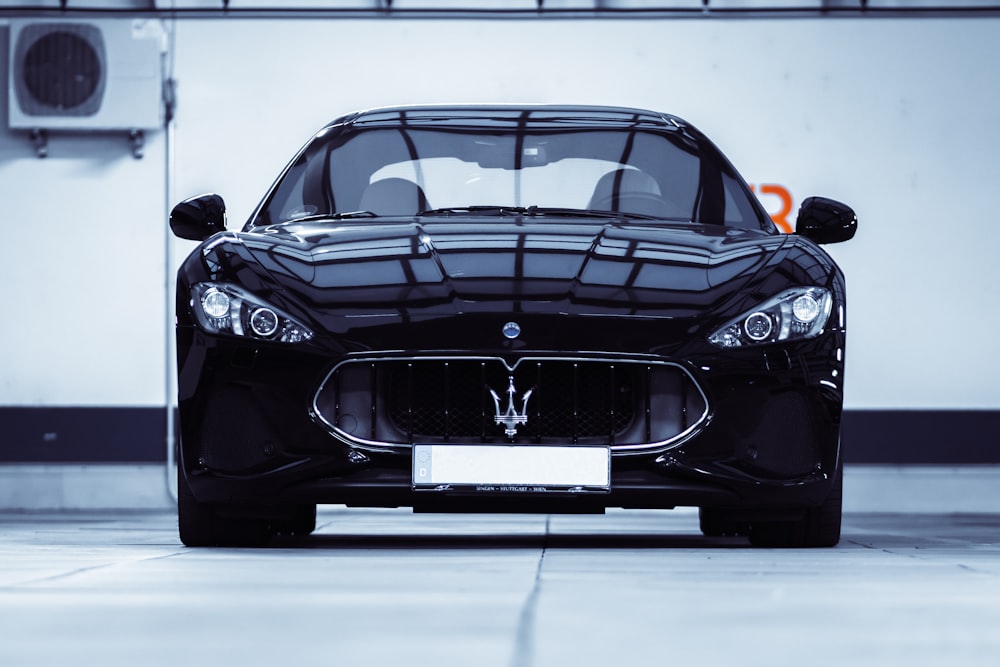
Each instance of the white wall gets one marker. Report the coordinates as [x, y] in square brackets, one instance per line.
[82, 319]
[894, 116]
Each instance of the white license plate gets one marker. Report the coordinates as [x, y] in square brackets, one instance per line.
[509, 466]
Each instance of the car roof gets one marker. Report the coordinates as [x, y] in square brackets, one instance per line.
[512, 116]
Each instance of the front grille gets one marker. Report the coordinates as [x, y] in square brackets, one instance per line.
[567, 399]
[397, 402]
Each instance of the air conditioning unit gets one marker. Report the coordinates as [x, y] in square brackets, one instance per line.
[104, 74]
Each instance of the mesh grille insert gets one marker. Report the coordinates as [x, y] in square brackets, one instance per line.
[390, 403]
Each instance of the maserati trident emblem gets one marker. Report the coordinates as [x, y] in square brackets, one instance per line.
[510, 418]
[511, 330]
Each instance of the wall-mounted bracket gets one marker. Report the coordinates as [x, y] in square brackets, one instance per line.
[137, 140]
[40, 140]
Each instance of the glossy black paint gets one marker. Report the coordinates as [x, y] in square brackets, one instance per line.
[826, 220]
[198, 218]
[631, 289]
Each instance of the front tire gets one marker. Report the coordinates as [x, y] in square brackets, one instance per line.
[820, 527]
[200, 525]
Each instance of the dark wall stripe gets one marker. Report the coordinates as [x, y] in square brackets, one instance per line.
[138, 435]
[921, 436]
[82, 435]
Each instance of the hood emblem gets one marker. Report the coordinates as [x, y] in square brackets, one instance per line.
[511, 418]
[511, 330]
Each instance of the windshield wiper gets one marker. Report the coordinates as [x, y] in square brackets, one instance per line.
[585, 213]
[535, 211]
[347, 215]
[475, 210]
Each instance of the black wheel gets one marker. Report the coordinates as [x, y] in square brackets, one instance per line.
[200, 525]
[820, 527]
[717, 523]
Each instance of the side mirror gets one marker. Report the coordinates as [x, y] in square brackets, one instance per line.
[826, 220]
[199, 217]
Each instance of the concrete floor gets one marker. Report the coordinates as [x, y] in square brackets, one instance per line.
[386, 587]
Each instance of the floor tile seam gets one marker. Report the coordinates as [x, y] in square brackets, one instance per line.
[82, 570]
[522, 653]
[927, 558]
[55, 577]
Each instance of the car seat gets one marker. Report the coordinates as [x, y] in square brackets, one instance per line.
[393, 196]
[629, 191]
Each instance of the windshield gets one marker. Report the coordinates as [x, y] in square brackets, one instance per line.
[647, 173]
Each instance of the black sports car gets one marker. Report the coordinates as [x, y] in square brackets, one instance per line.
[510, 309]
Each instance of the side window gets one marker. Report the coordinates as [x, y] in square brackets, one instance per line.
[739, 210]
[293, 205]
[286, 202]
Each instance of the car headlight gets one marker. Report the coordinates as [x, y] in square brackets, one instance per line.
[223, 308]
[794, 314]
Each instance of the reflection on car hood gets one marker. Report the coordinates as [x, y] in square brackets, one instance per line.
[412, 269]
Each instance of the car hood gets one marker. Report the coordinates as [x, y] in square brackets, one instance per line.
[341, 274]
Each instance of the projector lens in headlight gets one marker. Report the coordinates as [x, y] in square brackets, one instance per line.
[758, 326]
[263, 322]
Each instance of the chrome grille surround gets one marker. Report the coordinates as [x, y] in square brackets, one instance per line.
[359, 401]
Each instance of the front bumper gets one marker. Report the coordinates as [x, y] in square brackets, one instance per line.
[379, 486]
[769, 439]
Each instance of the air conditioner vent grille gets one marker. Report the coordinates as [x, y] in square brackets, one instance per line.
[62, 70]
